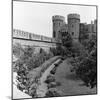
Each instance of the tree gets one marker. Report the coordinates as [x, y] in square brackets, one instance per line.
[17, 50]
[64, 48]
[86, 68]
[85, 64]
[66, 39]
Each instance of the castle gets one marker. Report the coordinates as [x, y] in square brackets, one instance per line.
[78, 31]
[74, 27]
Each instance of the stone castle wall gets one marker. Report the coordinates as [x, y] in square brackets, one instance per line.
[58, 21]
[27, 35]
[73, 25]
[30, 39]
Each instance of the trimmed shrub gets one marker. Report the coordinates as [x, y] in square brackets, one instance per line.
[53, 93]
[50, 78]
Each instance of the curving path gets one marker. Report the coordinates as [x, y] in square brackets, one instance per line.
[42, 88]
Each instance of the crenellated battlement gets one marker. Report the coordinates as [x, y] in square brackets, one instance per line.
[58, 17]
[31, 36]
[74, 16]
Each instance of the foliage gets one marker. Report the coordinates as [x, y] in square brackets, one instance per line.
[52, 93]
[78, 50]
[84, 56]
[69, 47]
[85, 66]
[50, 79]
[36, 60]
[91, 43]
[66, 39]
[17, 50]
[60, 51]
[29, 58]
[64, 48]
[87, 71]
[28, 61]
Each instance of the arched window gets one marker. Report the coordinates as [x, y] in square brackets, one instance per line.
[72, 33]
[59, 24]
[54, 24]
[30, 36]
[54, 34]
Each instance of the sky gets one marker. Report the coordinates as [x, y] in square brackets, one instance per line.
[37, 17]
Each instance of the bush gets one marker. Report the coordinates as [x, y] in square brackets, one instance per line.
[60, 51]
[17, 50]
[52, 93]
[28, 61]
[50, 78]
[53, 71]
[51, 85]
[86, 69]
[85, 62]
[58, 83]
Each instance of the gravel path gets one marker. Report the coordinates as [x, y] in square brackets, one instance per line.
[42, 88]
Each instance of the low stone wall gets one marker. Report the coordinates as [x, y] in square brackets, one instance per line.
[36, 44]
[27, 35]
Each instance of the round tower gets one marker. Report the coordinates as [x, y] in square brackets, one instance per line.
[58, 21]
[73, 25]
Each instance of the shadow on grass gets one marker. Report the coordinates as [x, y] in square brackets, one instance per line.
[82, 84]
[72, 77]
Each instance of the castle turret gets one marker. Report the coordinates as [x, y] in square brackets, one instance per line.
[58, 21]
[73, 25]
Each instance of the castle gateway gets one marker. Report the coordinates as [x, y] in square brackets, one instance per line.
[76, 30]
